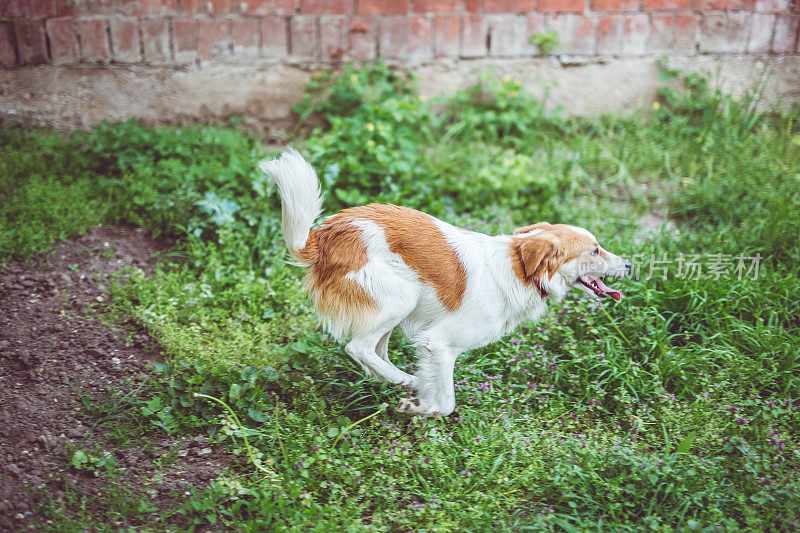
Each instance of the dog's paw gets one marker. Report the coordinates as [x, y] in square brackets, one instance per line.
[411, 406]
[411, 384]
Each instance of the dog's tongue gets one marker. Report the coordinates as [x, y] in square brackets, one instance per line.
[608, 290]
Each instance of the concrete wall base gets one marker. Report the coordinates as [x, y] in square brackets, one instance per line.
[70, 97]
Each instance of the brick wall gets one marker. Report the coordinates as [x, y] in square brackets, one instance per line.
[169, 32]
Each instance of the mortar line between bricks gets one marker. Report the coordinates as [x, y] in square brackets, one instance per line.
[140, 33]
[47, 44]
[289, 40]
[170, 40]
[110, 41]
[259, 37]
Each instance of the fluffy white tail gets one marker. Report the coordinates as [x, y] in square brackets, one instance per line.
[301, 199]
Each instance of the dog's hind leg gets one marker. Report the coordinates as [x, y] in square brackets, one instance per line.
[383, 346]
[363, 349]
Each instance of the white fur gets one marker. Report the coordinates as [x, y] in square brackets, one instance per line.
[494, 303]
[300, 196]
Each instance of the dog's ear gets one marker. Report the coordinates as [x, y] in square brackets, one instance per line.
[538, 225]
[539, 254]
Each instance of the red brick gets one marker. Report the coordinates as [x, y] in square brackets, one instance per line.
[212, 38]
[636, 34]
[576, 33]
[155, 34]
[137, 8]
[184, 33]
[785, 33]
[93, 40]
[393, 36]
[472, 6]
[333, 37]
[661, 31]
[63, 42]
[420, 38]
[27, 8]
[768, 5]
[474, 36]
[761, 26]
[273, 37]
[66, 8]
[101, 7]
[219, 7]
[268, 7]
[363, 38]
[685, 37]
[124, 40]
[8, 57]
[360, 24]
[436, 6]
[193, 7]
[569, 6]
[326, 7]
[383, 7]
[724, 32]
[244, 35]
[615, 5]
[305, 41]
[666, 5]
[445, 36]
[31, 45]
[85, 7]
[509, 36]
[710, 5]
[507, 6]
[609, 34]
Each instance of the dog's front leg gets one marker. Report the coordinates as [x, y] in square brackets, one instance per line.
[434, 381]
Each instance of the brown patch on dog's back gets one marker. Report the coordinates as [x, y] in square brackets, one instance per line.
[414, 236]
[333, 250]
[542, 254]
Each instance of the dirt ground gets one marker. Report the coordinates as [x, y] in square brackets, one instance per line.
[56, 358]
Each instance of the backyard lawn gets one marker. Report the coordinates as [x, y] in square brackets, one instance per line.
[673, 409]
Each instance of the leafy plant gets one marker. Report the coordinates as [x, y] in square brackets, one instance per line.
[97, 463]
[546, 41]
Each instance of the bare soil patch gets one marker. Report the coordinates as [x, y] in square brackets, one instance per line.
[55, 358]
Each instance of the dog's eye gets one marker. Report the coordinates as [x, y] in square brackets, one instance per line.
[596, 251]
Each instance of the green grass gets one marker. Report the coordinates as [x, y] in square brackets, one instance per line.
[673, 409]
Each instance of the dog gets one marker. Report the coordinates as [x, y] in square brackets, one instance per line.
[376, 267]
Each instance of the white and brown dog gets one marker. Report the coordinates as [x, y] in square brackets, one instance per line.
[375, 267]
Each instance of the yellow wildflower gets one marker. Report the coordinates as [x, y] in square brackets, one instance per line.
[353, 78]
[656, 105]
[371, 126]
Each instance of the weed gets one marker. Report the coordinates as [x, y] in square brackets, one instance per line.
[546, 41]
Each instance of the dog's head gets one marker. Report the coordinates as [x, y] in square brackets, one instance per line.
[555, 257]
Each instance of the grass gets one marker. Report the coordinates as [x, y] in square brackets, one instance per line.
[673, 409]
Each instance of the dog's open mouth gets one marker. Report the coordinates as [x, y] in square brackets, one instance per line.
[598, 287]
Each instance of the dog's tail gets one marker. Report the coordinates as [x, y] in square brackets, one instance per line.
[301, 198]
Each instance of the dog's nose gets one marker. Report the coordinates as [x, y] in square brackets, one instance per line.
[627, 266]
